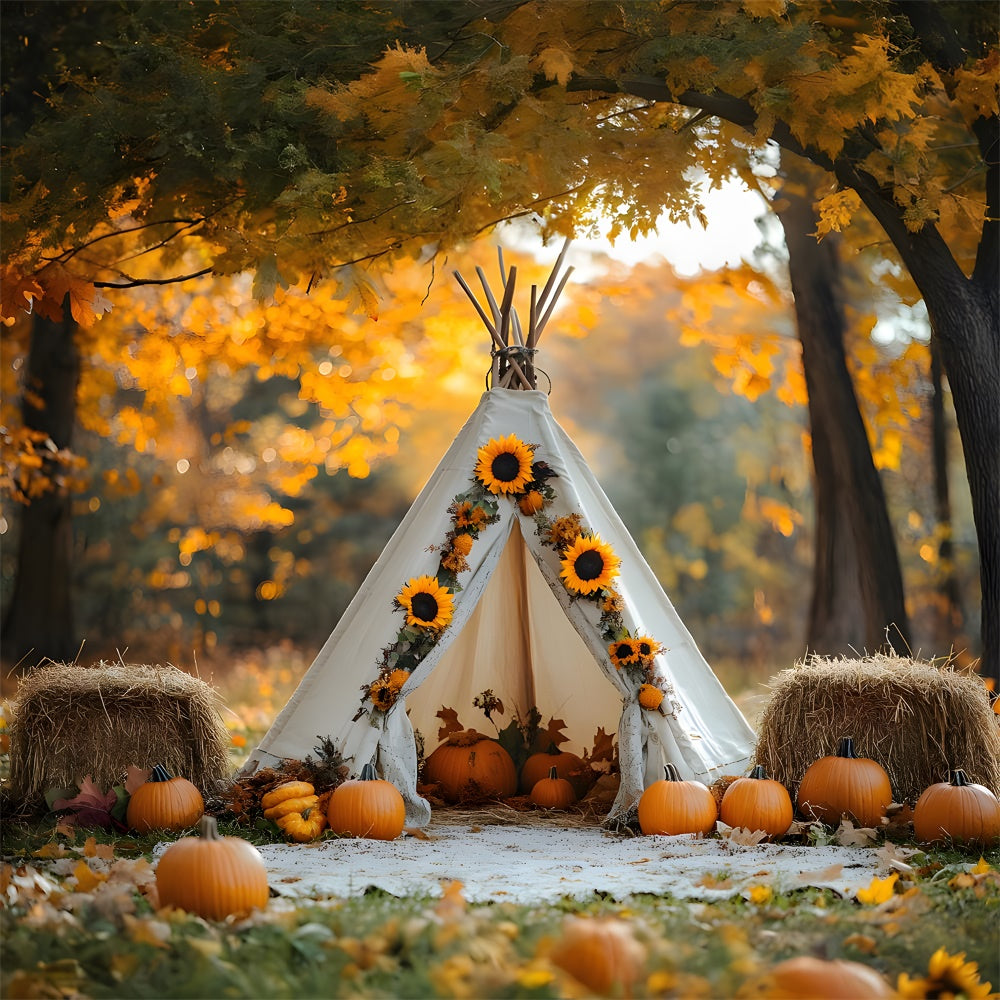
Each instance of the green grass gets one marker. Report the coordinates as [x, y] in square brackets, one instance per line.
[109, 942]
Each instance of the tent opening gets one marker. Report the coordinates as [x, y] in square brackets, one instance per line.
[520, 644]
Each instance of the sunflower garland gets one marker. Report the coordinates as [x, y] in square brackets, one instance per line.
[506, 467]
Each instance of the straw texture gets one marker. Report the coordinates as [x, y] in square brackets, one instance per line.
[917, 719]
[70, 721]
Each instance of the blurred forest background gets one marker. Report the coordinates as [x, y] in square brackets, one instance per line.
[234, 350]
[208, 521]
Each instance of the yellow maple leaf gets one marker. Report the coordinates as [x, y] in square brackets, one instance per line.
[836, 211]
[87, 880]
[879, 890]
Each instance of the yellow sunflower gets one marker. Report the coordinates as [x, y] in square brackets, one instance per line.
[650, 697]
[947, 976]
[426, 602]
[589, 564]
[646, 647]
[623, 653]
[504, 465]
[382, 694]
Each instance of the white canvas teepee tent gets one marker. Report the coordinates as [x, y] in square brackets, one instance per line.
[554, 608]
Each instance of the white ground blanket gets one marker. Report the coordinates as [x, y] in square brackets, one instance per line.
[529, 864]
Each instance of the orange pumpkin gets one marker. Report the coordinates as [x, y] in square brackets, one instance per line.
[367, 807]
[757, 802]
[553, 792]
[673, 806]
[212, 876]
[818, 979]
[845, 785]
[957, 810]
[602, 953]
[481, 770]
[568, 765]
[164, 802]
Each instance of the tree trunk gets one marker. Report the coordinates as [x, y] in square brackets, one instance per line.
[39, 619]
[950, 617]
[857, 602]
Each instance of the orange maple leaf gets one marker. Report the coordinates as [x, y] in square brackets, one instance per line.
[450, 723]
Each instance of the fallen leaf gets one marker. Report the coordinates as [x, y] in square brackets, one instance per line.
[87, 880]
[415, 831]
[818, 878]
[865, 944]
[849, 835]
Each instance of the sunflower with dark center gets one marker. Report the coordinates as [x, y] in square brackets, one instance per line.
[623, 653]
[646, 647]
[947, 976]
[589, 564]
[426, 602]
[382, 694]
[504, 465]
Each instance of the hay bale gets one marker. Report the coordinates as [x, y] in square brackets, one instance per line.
[69, 721]
[917, 719]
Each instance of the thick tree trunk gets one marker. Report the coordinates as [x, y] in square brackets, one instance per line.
[39, 619]
[857, 603]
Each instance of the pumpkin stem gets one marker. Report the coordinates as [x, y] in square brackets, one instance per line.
[208, 828]
[670, 773]
[958, 778]
[846, 748]
[368, 772]
[159, 773]
[553, 773]
[758, 772]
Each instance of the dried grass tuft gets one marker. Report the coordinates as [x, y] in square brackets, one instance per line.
[917, 719]
[69, 721]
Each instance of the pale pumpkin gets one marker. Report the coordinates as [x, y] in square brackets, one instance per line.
[212, 876]
[672, 806]
[367, 807]
[957, 810]
[845, 784]
[757, 802]
[164, 802]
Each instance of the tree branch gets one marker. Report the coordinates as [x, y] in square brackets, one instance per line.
[138, 282]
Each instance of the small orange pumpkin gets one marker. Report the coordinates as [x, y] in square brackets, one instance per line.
[845, 784]
[957, 810]
[673, 806]
[757, 802]
[568, 765]
[164, 802]
[553, 792]
[602, 953]
[819, 979]
[367, 807]
[481, 770]
[212, 876]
